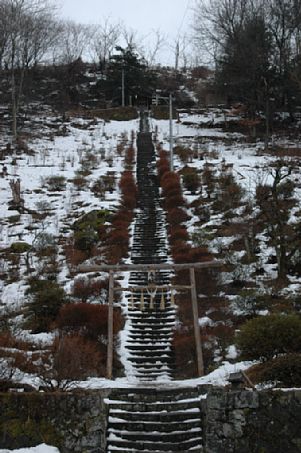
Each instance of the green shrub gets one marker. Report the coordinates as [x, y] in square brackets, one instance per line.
[282, 371]
[268, 336]
[47, 299]
[191, 179]
[20, 247]
[87, 227]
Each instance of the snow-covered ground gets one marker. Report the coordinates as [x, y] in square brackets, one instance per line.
[43, 448]
[57, 155]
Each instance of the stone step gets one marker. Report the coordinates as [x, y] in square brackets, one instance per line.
[140, 349]
[159, 339]
[157, 446]
[158, 406]
[131, 450]
[148, 336]
[161, 427]
[150, 358]
[159, 393]
[155, 417]
[145, 327]
[172, 437]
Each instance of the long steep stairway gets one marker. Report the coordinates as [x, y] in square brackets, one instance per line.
[151, 415]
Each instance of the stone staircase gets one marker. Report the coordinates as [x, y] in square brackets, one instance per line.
[150, 416]
[155, 420]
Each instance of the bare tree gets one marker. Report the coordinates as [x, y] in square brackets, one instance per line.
[74, 38]
[27, 36]
[104, 39]
[69, 359]
[156, 41]
[180, 49]
[276, 202]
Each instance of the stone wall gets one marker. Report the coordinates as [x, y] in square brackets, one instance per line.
[235, 421]
[252, 422]
[73, 422]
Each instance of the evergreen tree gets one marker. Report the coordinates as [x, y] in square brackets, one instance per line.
[139, 80]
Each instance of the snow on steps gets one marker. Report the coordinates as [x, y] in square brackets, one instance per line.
[153, 419]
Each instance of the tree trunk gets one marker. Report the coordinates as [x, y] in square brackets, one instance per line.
[14, 106]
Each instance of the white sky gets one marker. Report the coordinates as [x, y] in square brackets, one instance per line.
[170, 16]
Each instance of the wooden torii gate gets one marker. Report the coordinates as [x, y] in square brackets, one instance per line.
[113, 269]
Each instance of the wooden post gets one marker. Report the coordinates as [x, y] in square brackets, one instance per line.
[110, 327]
[197, 335]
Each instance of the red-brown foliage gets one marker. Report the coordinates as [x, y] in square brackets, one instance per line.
[70, 358]
[170, 177]
[88, 320]
[181, 252]
[176, 216]
[129, 155]
[73, 255]
[84, 288]
[119, 237]
[123, 215]
[129, 201]
[199, 254]
[178, 234]
[127, 182]
[185, 354]
[163, 165]
[174, 200]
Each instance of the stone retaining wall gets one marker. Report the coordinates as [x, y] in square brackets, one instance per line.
[73, 422]
[252, 422]
[235, 421]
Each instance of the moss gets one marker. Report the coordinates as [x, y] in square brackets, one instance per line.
[20, 247]
[93, 219]
[29, 431]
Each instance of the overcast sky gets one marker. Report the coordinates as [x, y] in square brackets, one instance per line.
[170, 16]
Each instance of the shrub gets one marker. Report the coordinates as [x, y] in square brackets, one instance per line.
[129, 201]
[20, 247]
[56, 183]
[47, 299]
[129, 155]
[70, 358]
[105, 183]
[79, 181]
[174, 201]
[185, 353]
[87, 228]
[178, 234]
[163, 164]
[85, 239]
[185, 154]
[88, 320]
[284, 370]
[45, 244]
[127, 182]
[191, 179]
[176, 216]
[73, 255]
[84, 288]
[266, 337]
